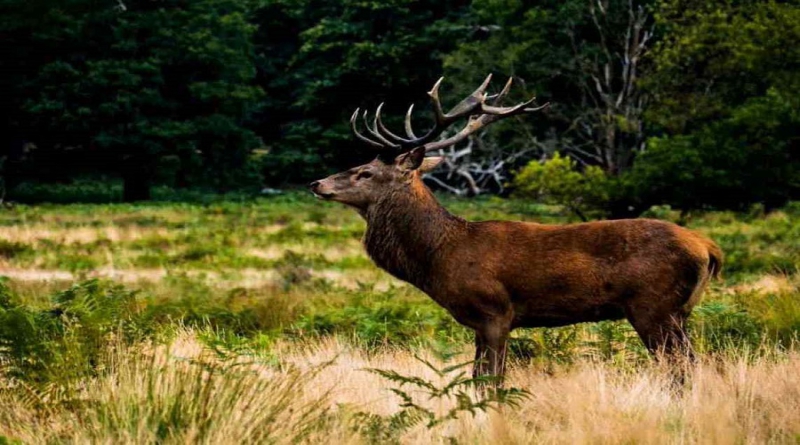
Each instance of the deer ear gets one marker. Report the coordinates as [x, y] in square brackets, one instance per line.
[411, 160]
[428, 164]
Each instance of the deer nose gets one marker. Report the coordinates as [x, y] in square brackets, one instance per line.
[313, 185]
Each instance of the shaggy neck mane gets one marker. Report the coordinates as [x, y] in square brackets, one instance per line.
[404, 230]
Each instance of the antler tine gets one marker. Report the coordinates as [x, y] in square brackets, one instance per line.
[385, 143]
[437, 104]
[497, 99]
[473, 125]
[360, 136]
[539, 108]
[409, 130]
[470, 103]
[464, 108]
[506, 111]
[385, 131]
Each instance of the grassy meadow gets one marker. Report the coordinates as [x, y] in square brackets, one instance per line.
[262, 320]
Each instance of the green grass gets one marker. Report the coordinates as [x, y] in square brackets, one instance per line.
[290, 266]
[251, 277]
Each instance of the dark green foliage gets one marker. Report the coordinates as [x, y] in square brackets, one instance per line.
[322, 59]
[725, 84]
[81, 190]
[149, 89]
[574, 54]
[529, 40]
[220, 94]
[720, 88]
[745, 159]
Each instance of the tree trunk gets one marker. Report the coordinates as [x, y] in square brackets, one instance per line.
[135, 183]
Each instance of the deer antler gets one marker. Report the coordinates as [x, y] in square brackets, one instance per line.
[474, 107]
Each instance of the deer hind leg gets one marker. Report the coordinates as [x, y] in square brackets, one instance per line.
[665, 337]
[663, 333]
[659, 313]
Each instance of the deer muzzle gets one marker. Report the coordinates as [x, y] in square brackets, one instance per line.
[319, 190]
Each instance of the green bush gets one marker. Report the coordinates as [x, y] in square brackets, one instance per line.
[716, 167]
[67, 339]
[64, 338]
[586, 193]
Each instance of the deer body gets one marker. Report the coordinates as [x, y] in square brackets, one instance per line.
[495, 276]
[501, 275]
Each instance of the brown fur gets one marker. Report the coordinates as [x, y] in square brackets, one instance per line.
[495, 276]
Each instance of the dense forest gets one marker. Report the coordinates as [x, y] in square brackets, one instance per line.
[652, 102]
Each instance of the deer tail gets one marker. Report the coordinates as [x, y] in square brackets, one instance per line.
[713, 269]
[715, 258]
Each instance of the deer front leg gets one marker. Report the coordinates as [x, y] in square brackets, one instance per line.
[480, 355]
[495, 340]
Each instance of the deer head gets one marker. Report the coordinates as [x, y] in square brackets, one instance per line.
[401, 159]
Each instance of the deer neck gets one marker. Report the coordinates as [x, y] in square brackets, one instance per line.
[406, 231]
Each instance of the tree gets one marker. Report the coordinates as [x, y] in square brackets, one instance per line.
[727, 106]
[584, 57]
[25, 48]
[168, 81]
[321, 59]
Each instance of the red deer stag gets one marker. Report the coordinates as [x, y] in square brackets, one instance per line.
[495, 276]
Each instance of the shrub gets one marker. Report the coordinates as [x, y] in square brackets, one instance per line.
[716, 167]
[95, 191]
[585, 193]
[66, 339]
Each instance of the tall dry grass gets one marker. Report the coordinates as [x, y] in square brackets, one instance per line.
[170, 394]
[181, 394]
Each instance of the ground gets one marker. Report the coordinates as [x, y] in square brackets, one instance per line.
[259, 320]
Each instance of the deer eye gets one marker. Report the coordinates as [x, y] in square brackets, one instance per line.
[363, 175]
